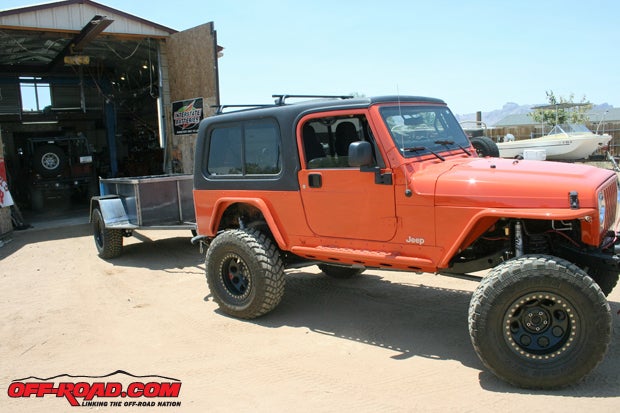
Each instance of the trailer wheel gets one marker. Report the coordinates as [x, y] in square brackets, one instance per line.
[244, 273]
[485, 146]
[336, 271]
[539, 322]
[109, 242]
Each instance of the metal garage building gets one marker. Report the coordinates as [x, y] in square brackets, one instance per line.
[87, 90]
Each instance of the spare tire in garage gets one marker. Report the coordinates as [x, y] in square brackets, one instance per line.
[49, 160]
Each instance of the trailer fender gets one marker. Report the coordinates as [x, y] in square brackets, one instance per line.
[113, 211]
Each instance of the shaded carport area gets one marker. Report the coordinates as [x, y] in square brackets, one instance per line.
[77, 104]
[84, 93]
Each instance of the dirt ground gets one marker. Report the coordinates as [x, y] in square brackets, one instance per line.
[384, 342]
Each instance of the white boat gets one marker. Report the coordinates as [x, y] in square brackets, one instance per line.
[564, 142]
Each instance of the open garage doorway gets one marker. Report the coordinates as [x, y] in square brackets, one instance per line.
[86, 94]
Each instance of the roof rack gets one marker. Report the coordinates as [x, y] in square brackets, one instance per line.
[280, 99]
[219, 109]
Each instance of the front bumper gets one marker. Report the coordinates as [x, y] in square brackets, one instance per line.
[606, 258]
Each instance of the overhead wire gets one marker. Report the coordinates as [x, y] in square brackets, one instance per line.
[121, 57]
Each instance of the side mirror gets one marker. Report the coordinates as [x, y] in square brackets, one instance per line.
[360, 154]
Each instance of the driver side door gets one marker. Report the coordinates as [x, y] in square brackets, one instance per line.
[342, 201]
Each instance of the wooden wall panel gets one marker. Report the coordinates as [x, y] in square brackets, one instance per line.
[191, 58]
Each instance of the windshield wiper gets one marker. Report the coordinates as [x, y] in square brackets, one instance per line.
[423, 148]
[447, 143]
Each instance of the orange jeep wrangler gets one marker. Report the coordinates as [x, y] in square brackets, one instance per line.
[393, 183]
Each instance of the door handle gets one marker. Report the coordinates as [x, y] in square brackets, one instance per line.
[315, 180]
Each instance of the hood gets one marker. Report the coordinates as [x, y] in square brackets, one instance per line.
[507, 183]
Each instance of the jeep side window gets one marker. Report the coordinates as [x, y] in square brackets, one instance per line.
[326, 140]
[262, 148]
[225, 151]
[252, 148]
[312, 146]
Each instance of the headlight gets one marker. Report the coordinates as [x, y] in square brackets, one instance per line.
[602, 208]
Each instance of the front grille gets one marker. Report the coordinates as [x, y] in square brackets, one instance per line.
[610, 192]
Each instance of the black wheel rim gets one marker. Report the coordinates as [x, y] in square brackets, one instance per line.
[50, 161]
[235, 276]
[540, 326]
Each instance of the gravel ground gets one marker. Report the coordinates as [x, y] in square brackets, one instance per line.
[386, 341]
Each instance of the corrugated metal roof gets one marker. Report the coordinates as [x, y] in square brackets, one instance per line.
[610, 115]
[70, 15]
[515, 120]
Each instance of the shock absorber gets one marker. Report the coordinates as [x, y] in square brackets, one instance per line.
[518, 239]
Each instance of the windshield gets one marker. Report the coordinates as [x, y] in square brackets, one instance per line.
[421, 130]
[569, 128]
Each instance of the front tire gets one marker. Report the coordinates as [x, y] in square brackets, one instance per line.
[244, 273]
[539, 322]
[605, 279]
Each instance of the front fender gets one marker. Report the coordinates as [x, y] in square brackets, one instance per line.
[469, 231]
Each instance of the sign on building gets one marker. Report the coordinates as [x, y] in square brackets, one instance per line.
[5, 196]
[186, 115]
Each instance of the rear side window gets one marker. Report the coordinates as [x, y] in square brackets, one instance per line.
[225, 151]
[246, 148]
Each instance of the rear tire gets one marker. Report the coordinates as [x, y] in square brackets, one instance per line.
[244, 273]
[539, 322]
[109, 242]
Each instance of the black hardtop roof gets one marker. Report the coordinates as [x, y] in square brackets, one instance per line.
[287, 117]
[323, 104]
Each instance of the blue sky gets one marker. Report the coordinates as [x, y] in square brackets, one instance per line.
[476, 55]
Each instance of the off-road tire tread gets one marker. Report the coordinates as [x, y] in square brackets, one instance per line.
[606, 279]
[112, 239]
[259, 247]
[510, 272]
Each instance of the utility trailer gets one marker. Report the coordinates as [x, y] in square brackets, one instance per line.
[140, 203]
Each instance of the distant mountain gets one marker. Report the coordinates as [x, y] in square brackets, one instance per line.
[511, 108]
